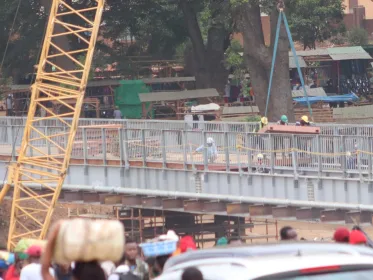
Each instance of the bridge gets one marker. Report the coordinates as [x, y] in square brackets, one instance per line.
[152, 164]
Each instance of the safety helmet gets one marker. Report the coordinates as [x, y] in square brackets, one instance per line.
[209, 140]
[260, 156]
[284, 119]
[264, 120]
[305, 119]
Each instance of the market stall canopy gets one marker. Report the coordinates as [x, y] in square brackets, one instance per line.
[101, 83]
[292, 64]
[178, 95]
[333, 54]
[348, 53]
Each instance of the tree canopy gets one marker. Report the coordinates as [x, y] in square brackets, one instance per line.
[314, 21]
[200, 30]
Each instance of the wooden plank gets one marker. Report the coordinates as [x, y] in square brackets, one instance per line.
[290, 129]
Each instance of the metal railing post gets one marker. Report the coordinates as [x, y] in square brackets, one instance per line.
[143, 147]
[124, 133]
[205, 157]
[272, 154]
[104, 150]
[163, 145]
[294, 155]
[226, 151]
[185, 147]
[84, 147]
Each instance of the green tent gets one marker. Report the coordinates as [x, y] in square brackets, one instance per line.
[127, 98]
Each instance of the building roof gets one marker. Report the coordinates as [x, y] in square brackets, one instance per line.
[292, 64]
[348, 53]
[178, 95]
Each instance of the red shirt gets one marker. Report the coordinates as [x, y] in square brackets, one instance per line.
[12, 273]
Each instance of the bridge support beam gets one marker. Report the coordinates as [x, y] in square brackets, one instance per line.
[333, 215]
[237, 208]
[260, 210]
[307, 213]
[214, 206]
[358, 217]
[172, 203]
[193, 205]
[131, 200]
[283, 212]
[151, 202]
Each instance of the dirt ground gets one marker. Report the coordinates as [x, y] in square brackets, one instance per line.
[308, 230]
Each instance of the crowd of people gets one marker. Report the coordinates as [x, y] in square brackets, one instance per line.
[36, 263]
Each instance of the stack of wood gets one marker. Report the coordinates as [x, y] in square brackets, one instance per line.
[320, 115]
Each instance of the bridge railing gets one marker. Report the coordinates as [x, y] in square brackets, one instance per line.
[235, 150]
[242, 127]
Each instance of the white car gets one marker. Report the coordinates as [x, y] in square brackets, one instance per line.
[300, 261]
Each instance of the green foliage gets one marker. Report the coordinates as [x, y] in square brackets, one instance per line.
[234, 61]
[252, 119]
[315, 20]
[358, 37]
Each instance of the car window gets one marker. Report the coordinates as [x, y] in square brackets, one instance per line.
[346, 275]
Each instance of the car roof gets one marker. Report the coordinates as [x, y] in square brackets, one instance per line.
[238, 268]
[276, 249]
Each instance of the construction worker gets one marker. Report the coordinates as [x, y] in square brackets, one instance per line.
[303, 121]
[263, 122]
[283, 120]
[212, 151]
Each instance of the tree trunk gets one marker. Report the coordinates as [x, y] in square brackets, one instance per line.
[258, 58]
[208, 61]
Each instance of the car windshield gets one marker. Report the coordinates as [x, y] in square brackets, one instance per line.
[348, 275]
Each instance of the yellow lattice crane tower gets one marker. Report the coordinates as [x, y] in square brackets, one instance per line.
[61, 81]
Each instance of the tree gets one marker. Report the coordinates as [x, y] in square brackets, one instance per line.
[258, 56]
[208, 52]
[314, 21]
[358, 37]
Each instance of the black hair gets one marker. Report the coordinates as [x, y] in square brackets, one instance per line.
[192, 273]
[88, 271]
[130, 240]
[284, 232]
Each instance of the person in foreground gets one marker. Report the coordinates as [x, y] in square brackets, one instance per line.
[192, 273]
[288, 234]
[32, 271]
[81, 270]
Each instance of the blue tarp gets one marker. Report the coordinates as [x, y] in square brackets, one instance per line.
[328, 99]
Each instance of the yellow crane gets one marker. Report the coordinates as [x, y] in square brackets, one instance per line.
[43, 159]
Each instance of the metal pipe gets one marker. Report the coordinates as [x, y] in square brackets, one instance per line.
[219, 197]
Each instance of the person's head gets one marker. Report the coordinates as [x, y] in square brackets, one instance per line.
[34, 253]
[235, 240]
[131, 250]
[288, 233]
[357, 238]
[209, 141]
[264, 121]
[88, 271]
[341, 235]
[284, 119]
[192, 273]
[304, 119]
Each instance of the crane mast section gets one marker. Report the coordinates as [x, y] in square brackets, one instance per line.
[57, 94]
